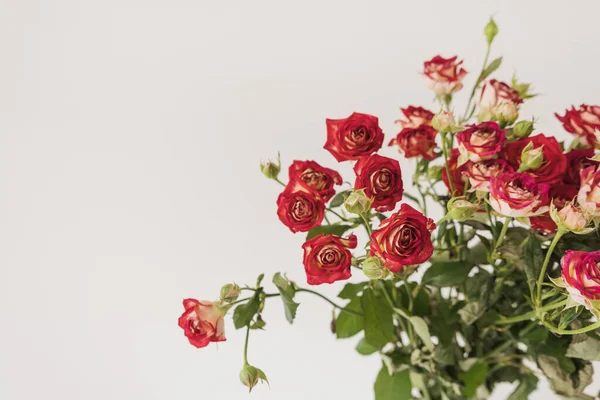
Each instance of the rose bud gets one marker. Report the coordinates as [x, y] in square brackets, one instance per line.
[416, 142]
[270, 169]
[506, 113]
[327, 258]
[480, 142]
[490, 31]
[522, 129]
[577, 160]
[358, 202]
[460, 209]
[374, 268]
[531, 158]
[415, 117]
[518, 195]
[298, 207]
[249, 376]
[552, 169]
[584, 122]
[403, 239]
[581, 277]
[479, 173]
[353, 137]
[571, 219]
[444, 122]
[443, 75]
[202, 322]
[499, 101]
[230, 292]
[320, 179]
[381, 178]
[588, 197]
[560, 195]
[456, 174]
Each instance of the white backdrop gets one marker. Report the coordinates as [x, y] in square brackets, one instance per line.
[130, 137]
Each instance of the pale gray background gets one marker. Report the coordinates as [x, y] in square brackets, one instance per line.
[130, 136]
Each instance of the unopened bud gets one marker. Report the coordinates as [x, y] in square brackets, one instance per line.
[460, 209]
[522, 129]
[506, 112]
[374, 268]
[571, 219]
[490, 31]
[230, 292]
[249, 376]
[358, 202]
[444, 121]
[531, 158]
[270, 169]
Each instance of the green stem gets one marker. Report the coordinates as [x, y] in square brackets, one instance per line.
[367, 224]
[531, 314]
[410, 299]
[276, 179]
[545, 265]
[445, 151]
[246, 345]
[336, 214]
[331, 302]
[502, 233]
[485, 61]
[588, 328]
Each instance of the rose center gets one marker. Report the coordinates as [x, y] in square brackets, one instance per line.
[301, 210]
[316, 179]
[382, 180]
[482, 137]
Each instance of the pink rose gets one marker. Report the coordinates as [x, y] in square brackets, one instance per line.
[581, 277]
[518, 195]
[415, 117]
[480, 142]
[202, 322]
[479, 173]
[584, 122]
[589, 191]
[443, 75]
[495, 93]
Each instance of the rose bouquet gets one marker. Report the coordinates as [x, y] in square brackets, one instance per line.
[504, 288]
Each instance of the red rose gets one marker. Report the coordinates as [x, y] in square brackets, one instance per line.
[518, 195]
[202, 322]
[298, 207]
[479, 173]
[443, 75]
[353, 137]
[581, 277]
[560, 195]
[495, 93]
[327, 258]
[555, 162]
[414, 142]
[481, 142]
[381, 178]
[415, 117]
[588, 196]
[456, 173]
[318, 178]
[578, 160]
[584, 122]
[403, 239]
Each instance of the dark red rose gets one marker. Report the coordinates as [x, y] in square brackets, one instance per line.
[416, 142]
[456, 173]
[443, 75]
[381, 178]
[353, 137]
[415, 117]
[327, 258]
[554, 165]
[299, 208]
[560, 195]
[584, 122]
[318, 178]
[202, 322]
[577, 160]
[479, 173]
[403, 239]
[481, 142]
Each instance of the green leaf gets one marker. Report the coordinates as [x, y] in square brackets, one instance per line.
[351, 290]
[392, 387]
[527, 385]
[287, 296]
[473, 378]
[447, 274]
[480, 226]
[339, 199]
[364, 348]
[347, 324]
[471, 312]
[569, 316]
[336, 230]
[243, 314]
[379, 323]
[533, 260]
[494, 65]
[588, 350]
[422, 330]
[445, 355]
[535, 336]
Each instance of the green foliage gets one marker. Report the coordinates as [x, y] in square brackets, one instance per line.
[378, 321]
[351, 290]
[473, 378]
[287, 292]
[244, 313]
[339, 198]
[365, 348]
[347, 324]
[447, 274]
[334, 229]
[392, 387]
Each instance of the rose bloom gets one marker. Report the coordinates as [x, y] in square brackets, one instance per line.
[318, 178]
[202, 322]
[581, 277]
[415, 117]
[495, 93]
[577, 160]
[403, 239]
[560, 195]
[518, 195]
[327, 258]
[381, 178]
[481, 142]
[443, 75]
[456, 173]
[589, 191]
[353, 137]
[479, 173]
[416, 142]
[555, 163]
[299, 208]
[584, 122]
